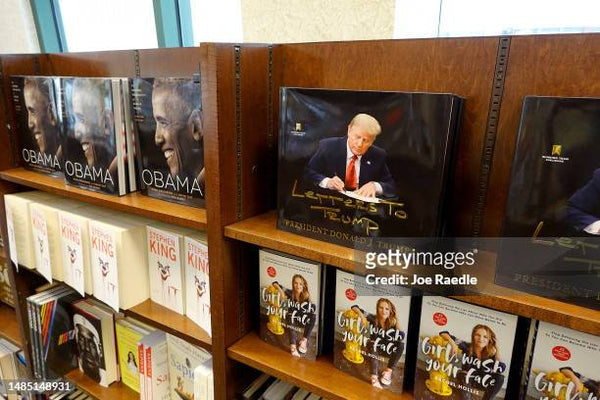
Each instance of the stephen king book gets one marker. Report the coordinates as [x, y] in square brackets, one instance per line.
[371, 326]
[463, 350]
[37, 123]
[290, 291]
[564, 365]
[167, 113]
[165, 266]
[197, 281]
[344, 157]
[553, 208]
[94, 140]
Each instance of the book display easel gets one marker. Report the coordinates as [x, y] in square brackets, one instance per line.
[240, 92]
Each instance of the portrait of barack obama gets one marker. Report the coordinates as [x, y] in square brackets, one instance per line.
[352, 162]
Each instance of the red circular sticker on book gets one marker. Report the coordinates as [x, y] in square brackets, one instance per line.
[561, 353]
[351, 294]
[271, 271]
[440, 319]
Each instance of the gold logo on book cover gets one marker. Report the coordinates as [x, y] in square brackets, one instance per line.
[556, 150]
[298, 126]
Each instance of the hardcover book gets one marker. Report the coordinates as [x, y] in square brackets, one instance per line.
[564, 365]
[165, 264]
[18, 221]
[371, 326]
[167, 113]
[95, 336]
[290, 291]
[37, 123]
[119, 261]
[6, 292]
[156, 361]
[128, 336]
[184, 358]
[343, 157]
[197, 281]
[94, 140]
[553, 204]
[463, 350]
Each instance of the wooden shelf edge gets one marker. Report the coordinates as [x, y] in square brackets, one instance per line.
[169, 321]
[9, 327]
[262, 230]
[135, 203]
[320, 377]
[116, 391]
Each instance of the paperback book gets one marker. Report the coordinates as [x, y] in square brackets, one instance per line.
[371, 326]
[165, 263]
[553, 202]
[564, 365]
[184, 358]
[343, 157]
[290, 291]
[197, 281]
[463, 350]
[167, 113]
[37, 123]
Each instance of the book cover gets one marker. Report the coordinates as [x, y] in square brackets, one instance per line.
[290, 291]
[104, 263]
[58, 334]
[75, 251]
[165, 267]
[6, 291]
[156, 361]
[197, 281]
[37, 123]
[343, 157]
[41, 246]
[552, 209]
[127, 345]
[564, 365]
[184, 358]
[167, 113]
[94, 335]
[371, 326]
[90, 136]
[463, 350]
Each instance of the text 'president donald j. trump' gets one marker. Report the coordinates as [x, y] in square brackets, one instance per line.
[352, 162]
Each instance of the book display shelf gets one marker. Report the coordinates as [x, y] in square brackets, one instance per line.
[240, 92]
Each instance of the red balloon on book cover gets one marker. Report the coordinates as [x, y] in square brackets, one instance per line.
[440, 319]
[271, 271]
[350, 294]
[561, 353]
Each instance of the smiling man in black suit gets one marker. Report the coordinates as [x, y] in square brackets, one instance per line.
[352, 162]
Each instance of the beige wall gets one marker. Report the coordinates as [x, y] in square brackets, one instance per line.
[17, 29]
[283, 21]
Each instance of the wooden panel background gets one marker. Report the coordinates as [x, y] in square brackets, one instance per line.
[120, 63]
[547, 65]
[462, 66]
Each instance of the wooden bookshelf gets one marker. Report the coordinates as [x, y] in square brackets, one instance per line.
[9, 327]
[134, 203]
[116, 391]
[262, 231]
[320, 376]
[169, 321]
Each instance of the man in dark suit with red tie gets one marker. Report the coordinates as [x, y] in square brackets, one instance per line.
[352, 162]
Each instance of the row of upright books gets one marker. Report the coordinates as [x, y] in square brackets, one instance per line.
[443, 347]
[266, 387]
[114, 135]
[119, 258]
[67, 332]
